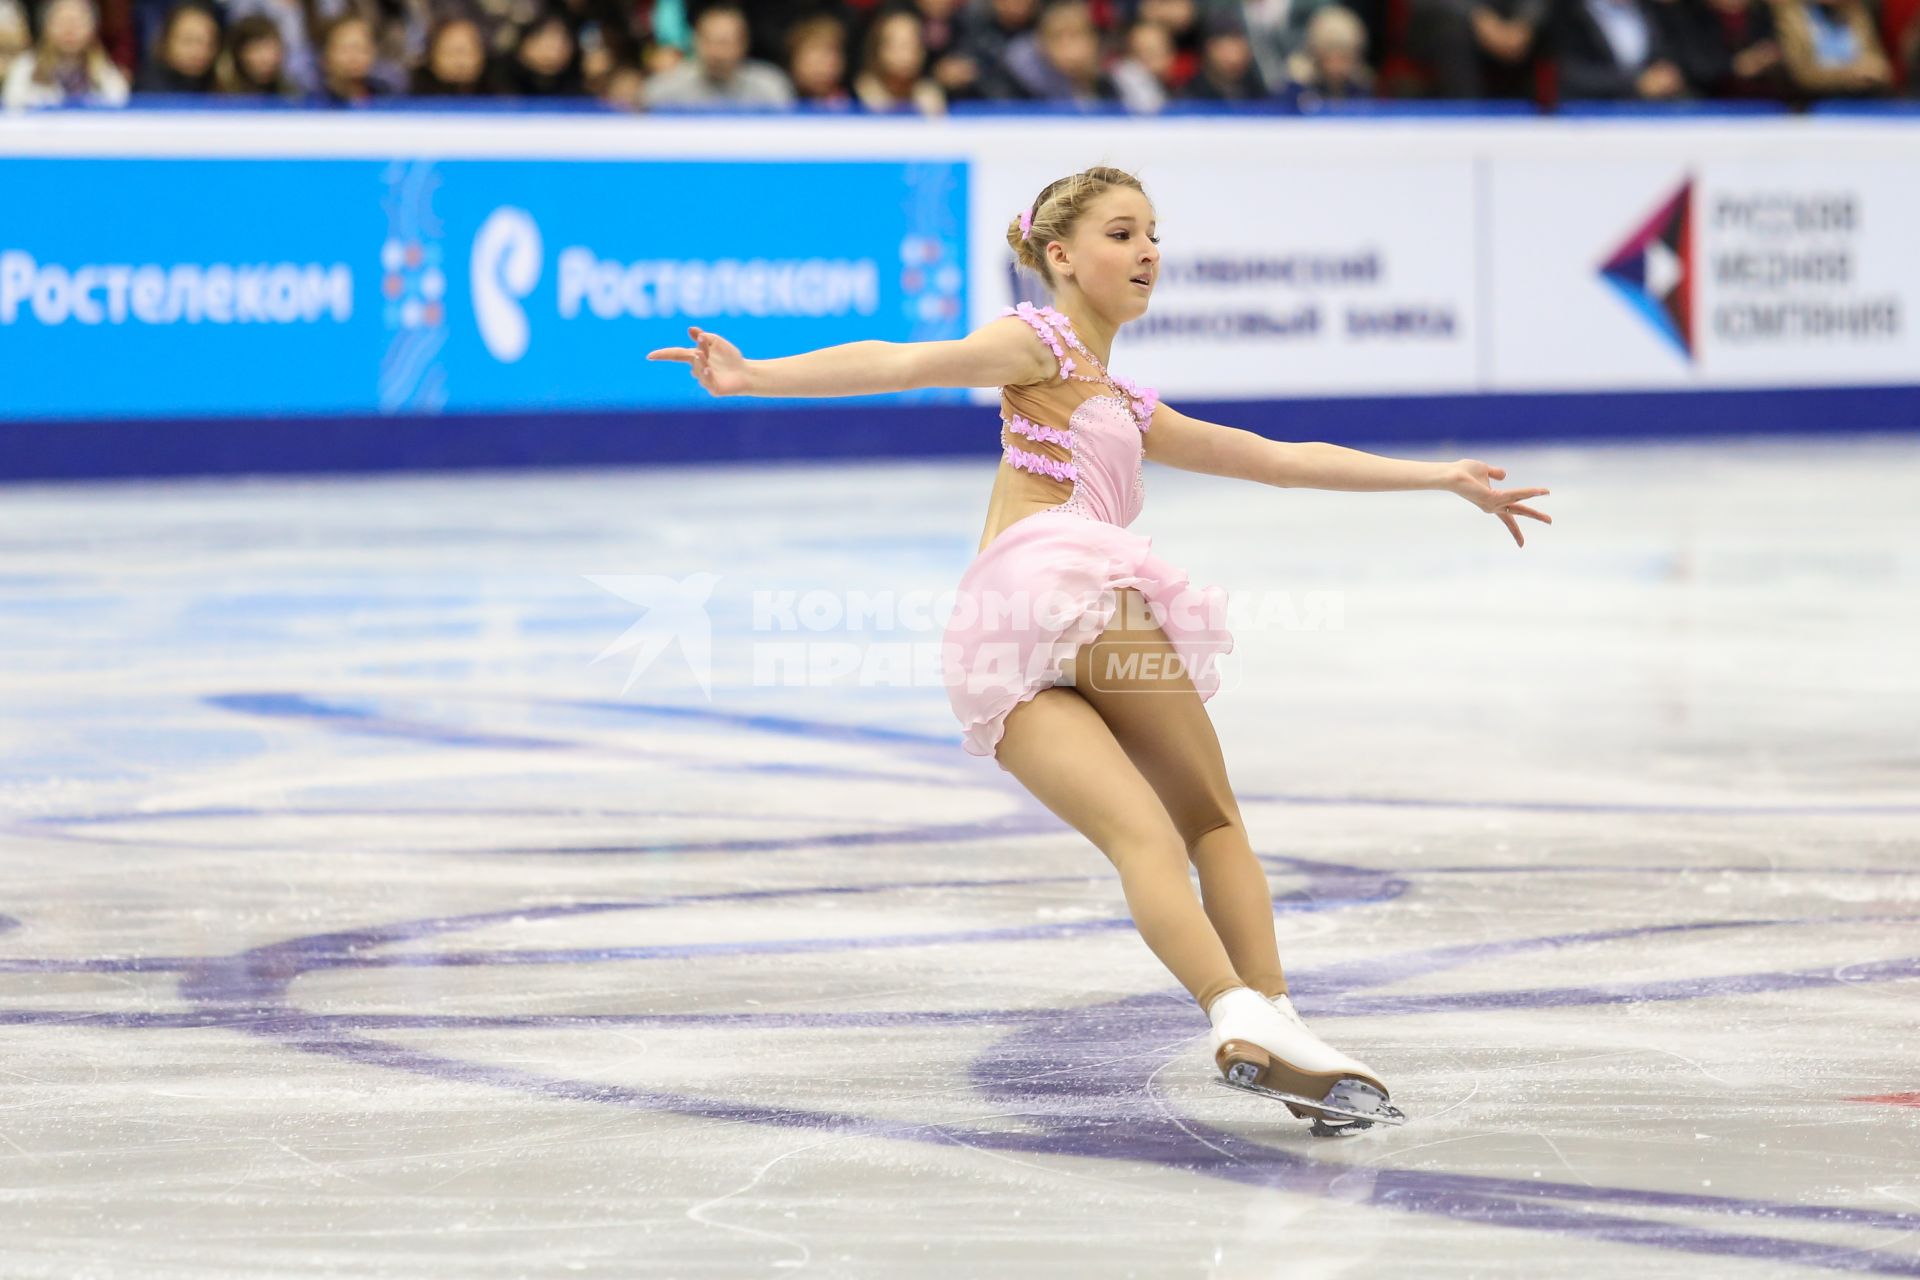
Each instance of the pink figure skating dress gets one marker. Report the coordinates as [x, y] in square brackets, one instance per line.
[1057, 550]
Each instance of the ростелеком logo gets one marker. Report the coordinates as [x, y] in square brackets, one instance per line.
[1653, 269]
[505, 267]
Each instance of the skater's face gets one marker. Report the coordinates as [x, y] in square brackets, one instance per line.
[1113, 244]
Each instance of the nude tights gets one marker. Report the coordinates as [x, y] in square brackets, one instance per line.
[1124, 752]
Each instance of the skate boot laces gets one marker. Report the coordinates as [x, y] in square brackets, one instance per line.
[1284, 1004]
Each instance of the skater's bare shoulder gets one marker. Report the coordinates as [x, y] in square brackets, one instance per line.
[1000, 353]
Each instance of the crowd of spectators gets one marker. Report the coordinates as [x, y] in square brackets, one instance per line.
[922, 55]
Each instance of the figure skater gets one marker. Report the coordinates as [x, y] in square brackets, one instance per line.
[1101, 717]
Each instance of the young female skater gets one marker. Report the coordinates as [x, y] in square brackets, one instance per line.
[1103, 719]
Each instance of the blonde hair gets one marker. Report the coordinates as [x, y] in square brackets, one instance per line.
[1059, 206]
[1338, 27]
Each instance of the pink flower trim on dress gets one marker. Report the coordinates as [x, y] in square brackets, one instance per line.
[1035, 431]
[1026, 311]
[1045, 320]
[1044, 466]
[1144, 399]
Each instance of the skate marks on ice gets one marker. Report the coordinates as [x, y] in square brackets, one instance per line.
[1076, 1075]
[312, 798]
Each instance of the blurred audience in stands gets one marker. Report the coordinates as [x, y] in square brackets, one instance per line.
[66, 64]
[817, 60]
[720, 72]
[893, 67]
[182, 57]
[1831, 49]
[920, 56]
[1227, 71]
[1332, 60]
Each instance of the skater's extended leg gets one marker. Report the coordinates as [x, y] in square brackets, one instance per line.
[1060, 749]
[1068, 753]
[1132, 677]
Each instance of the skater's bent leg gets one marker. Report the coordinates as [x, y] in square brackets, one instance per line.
[1131, 676]
[1062, 751]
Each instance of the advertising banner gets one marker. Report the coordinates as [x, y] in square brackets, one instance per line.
[200, 267]
[1801, 269]
[1281, 273]
[277, 287]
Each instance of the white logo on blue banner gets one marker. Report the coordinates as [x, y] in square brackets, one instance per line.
[505, 268]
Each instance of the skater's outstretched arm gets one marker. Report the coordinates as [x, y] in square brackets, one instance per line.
[1191, 444]
[1000, 353]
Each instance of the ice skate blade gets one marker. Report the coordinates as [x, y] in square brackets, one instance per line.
[1346, 1120]
[1332, 1116]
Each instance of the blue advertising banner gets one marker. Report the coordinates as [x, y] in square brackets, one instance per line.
[189, 288]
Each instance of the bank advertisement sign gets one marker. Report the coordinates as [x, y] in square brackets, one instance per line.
[257, 287]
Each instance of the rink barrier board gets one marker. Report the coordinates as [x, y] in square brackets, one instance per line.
[477, 290]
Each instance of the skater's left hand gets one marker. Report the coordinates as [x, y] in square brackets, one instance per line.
[1469, 480]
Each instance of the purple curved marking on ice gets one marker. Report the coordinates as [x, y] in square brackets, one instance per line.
[1014, 824]
[1584, 806]
[220, 1015]
[1601, 868]
[98, 964]
[1734, 984]
[1122, 1135]
[938, 747]
[1320, 1003]
[387, 814]
[1355, 975]
[262, 973]
[1029, 1066]
[1034, 1068]
[786, 947]
[760, 722]
[298, 706]
[1094, 1115]
[1324, 891]
[427, 928]
[359, 720]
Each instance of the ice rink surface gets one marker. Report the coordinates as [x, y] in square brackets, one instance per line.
[356, 921]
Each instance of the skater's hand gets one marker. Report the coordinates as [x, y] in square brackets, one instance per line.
[717, 363]
[1469, 480]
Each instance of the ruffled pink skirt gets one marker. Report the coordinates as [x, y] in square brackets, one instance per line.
[1044, 587]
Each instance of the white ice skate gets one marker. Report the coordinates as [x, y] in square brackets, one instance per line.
[1261, 1045]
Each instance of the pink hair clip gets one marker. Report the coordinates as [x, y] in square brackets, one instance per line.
[1026, 222]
